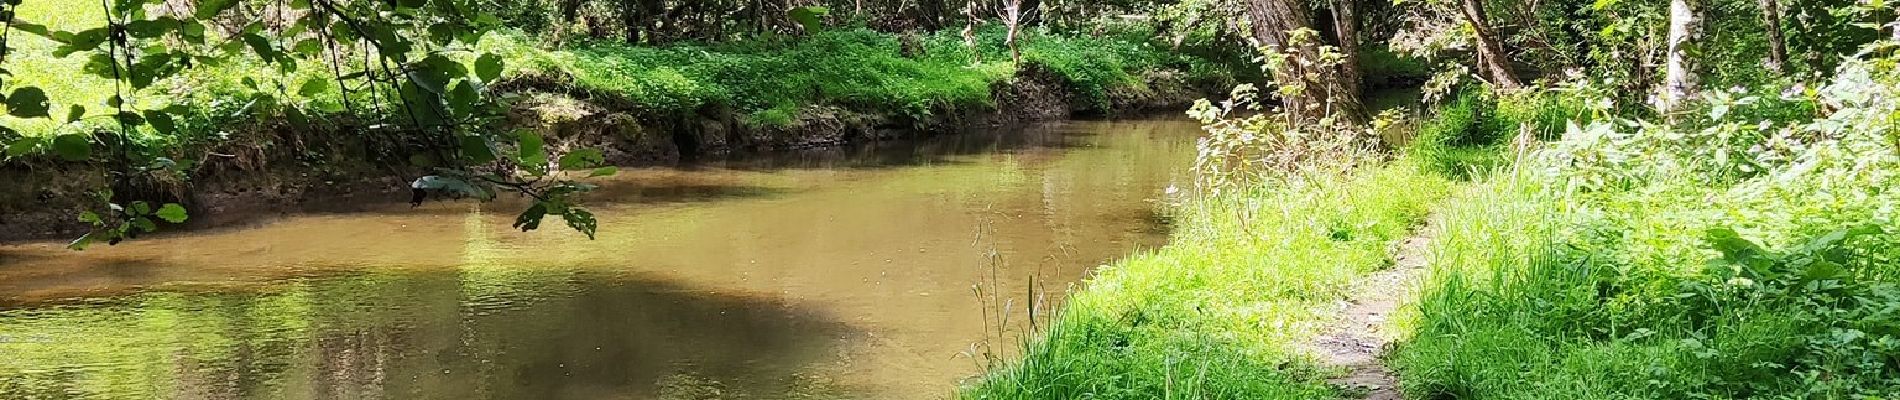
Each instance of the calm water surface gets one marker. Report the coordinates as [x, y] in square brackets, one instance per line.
[847, 273]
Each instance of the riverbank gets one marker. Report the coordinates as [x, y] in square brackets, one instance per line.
[638, 105]
[1220, 311]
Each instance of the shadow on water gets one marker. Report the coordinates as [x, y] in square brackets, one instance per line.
[464, 334]
[723, 281]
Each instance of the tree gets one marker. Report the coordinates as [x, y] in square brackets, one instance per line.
[1777, 46]
[1011, 13]
[1311, 87]
[1491, 60]
[1679, 76]
[1350, 80]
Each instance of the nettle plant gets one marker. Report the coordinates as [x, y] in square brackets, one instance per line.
[408, 70]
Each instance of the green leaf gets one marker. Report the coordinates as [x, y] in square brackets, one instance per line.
[809, 16]
[131, 118]
[89, 217]
[100, 65]
[488, 67]
[35, 29]
[145, 224]
[530, 219]
[261, 46]
[150, 28]
[141, 208]
[75, 113]
[533, 152]
[308, 47]
[581, 159]
[86, 40]
[210, 8]
[604, 171]
[581, 220]
[426, 114]
[434, 73]
[172, 212]
[28, 102]
[463, 99]
[313, 87]
[476, 150]
[24, 145]
[296, 117]
[73, 147]
[161, 122]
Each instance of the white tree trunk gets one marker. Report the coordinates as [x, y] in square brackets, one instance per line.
[1679, 78]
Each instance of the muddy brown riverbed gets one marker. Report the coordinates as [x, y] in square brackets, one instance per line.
[844, 273]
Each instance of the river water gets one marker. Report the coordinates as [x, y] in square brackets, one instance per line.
[892, 271]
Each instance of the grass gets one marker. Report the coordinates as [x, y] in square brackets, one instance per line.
[870, 71]
[1678, 286]
[1524, 304]
[1212, 315]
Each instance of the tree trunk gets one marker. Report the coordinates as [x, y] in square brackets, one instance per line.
[1320, 93]
[1350, 80]
[1777, 46]
[1491, 61]
[1012, 16]
[630, 18]
[1679, 78]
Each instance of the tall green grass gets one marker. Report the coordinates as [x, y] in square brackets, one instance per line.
[1541, 294]
[1469, 133]
[1213, 314]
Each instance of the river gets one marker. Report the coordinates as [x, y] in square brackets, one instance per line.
[892, 271]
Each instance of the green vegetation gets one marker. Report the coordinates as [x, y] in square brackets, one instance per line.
[865, 70]
[152, 93]
[1213, 314]
[1721, 228]
[1648, 198]
[1734, 259]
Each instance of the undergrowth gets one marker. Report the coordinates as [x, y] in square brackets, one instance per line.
[1746, 250]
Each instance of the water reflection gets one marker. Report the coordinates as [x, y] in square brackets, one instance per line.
[843, 273]
[486, 333]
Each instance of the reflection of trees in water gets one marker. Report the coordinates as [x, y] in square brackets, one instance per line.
[423, 335]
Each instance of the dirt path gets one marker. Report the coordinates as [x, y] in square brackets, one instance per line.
[1357, 339]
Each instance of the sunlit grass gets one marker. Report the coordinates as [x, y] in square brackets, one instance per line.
[1213, 314]
[32, 63]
